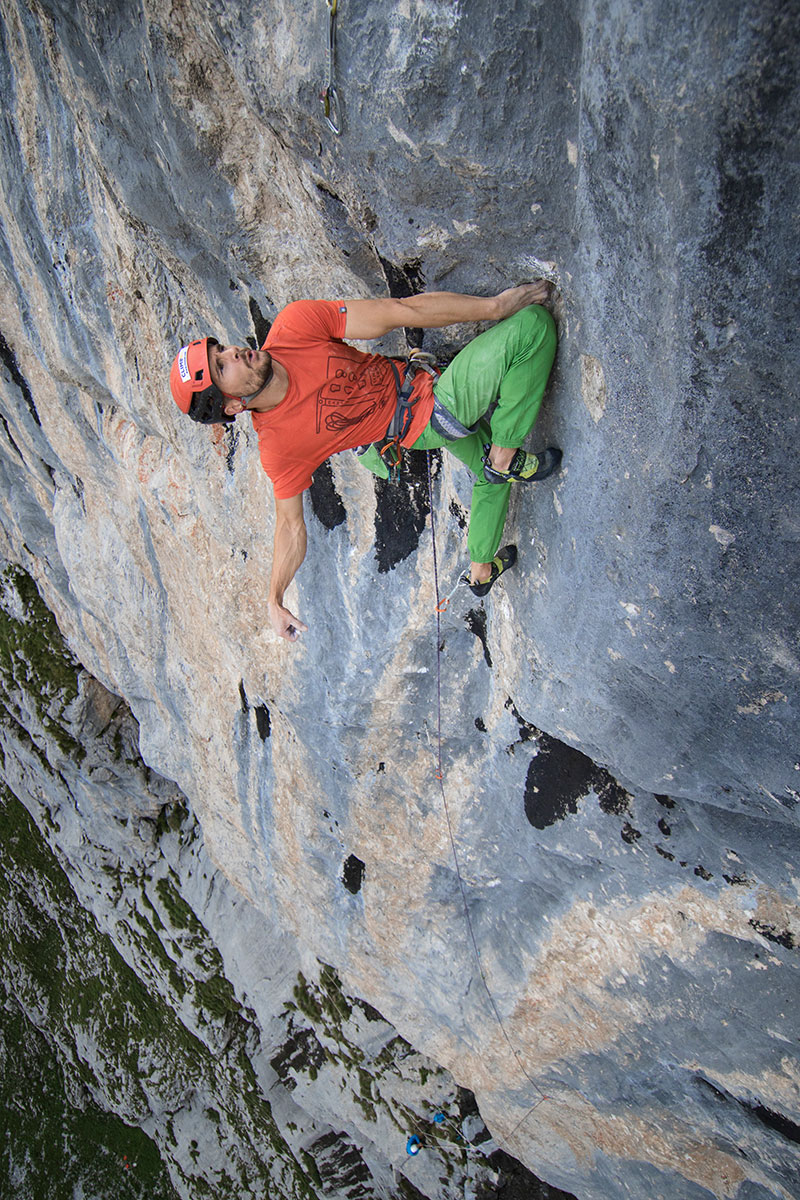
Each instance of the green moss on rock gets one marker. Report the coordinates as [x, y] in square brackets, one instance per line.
[34, 658]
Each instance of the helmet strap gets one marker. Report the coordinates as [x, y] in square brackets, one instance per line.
[266, 383]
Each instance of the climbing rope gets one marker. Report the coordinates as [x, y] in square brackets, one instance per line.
[328, 95]
[439, 775]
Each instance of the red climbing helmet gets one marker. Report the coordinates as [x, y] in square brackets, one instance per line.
[193, 389]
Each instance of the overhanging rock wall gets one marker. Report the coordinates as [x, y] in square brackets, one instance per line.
[619, 718]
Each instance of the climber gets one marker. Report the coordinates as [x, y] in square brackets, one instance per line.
[310, 394]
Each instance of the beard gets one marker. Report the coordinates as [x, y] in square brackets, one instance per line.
[267, 378]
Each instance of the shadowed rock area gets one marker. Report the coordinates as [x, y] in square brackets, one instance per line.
[605, 954]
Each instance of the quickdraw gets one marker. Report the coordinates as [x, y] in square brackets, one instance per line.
[328, 95]
[392, 455]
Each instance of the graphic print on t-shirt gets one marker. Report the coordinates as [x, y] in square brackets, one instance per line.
[351, 391]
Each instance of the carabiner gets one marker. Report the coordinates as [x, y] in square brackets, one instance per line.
[330, 108]
[328, 96]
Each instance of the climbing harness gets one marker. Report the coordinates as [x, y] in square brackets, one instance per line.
[390, 448]
[328, 95]
[439, 776]
[446, 425]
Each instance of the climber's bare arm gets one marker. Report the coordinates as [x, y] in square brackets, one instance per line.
[288, 553]
[432, 310]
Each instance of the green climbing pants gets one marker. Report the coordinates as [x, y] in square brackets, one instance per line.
[509, 363]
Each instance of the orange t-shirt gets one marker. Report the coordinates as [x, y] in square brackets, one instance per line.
[338, 397]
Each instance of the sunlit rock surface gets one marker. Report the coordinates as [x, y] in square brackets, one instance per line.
[618, 719]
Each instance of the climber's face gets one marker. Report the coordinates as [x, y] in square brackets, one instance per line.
[238, 372]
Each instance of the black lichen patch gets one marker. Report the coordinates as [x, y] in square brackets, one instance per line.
[776, 1121]
[262, 721]
[405, 280]
[9, 360]
[664, 827]
[611, 797]
[401, 512]
[459, 514]
[260, 323]
[325, 500]
[780, 937]
[629, 834]
[231, 442]
[665, 801]
[703, 873]
[353, 874]
[526, 731]
[475, 621]
[559, 777]
[665, 854]
[480, 724]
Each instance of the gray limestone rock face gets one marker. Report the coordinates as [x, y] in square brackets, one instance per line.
[590, 920]
[154, 1025]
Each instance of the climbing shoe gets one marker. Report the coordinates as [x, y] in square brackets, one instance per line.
[502, 561]
[524, 468]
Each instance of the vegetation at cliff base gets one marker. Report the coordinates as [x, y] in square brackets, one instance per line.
[54, 1142]
[34, 658]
